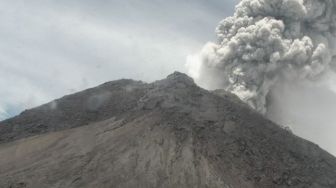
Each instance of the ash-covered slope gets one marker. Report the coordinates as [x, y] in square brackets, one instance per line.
[169, 133]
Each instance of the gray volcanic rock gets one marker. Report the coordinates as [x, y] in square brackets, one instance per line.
[169, 133]
[92, 105]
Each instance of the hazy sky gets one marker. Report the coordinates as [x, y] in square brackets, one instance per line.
[50, 48]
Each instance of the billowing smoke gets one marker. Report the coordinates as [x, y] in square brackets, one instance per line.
[267, 42]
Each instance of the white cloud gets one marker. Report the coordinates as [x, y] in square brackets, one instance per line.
[3, 114]
[52, 48]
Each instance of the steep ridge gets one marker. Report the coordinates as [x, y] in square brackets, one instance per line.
[169, 133]
[96, 104]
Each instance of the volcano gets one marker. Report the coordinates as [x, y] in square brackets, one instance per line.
[169, 133]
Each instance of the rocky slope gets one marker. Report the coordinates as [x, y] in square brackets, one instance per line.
[169, 133]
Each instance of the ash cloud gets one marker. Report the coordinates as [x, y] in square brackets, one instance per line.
[267, 42]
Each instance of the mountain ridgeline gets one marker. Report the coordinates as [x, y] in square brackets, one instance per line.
[169, 133]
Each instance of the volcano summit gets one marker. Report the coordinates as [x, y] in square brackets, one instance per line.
[170, 133]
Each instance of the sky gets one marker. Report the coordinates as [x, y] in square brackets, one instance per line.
[50, 48]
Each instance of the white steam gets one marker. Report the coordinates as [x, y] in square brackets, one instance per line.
[267, 42]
